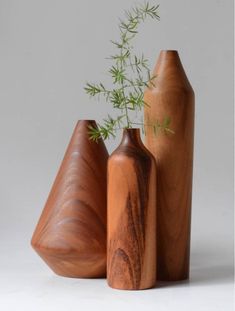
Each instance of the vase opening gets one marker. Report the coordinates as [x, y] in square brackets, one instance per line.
[86, 120]
[169, 53]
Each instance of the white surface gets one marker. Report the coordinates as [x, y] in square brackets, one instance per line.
[28, 285]
[48, 50]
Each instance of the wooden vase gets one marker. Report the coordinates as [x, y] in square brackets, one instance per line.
[131, 245]
[71, 232]
[172, 97]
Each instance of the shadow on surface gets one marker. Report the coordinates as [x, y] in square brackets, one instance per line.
[208, 266]
[212, 266]
[212, 274]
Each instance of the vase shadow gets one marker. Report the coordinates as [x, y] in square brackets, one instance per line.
[208, 266]
[212, 265]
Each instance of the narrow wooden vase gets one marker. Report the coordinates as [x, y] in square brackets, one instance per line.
[71, 232]
[131, 249]
[172, 97]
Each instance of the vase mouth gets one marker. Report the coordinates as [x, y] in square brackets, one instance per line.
[169, 51]
[169, 54]
[129, 129]
[86, 120]
[133, 131]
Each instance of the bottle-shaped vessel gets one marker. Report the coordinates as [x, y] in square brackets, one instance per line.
[172, 96]
[131, 248]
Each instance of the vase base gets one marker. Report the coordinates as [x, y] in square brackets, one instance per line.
[173, 279]
[131, 288]
[72, 266]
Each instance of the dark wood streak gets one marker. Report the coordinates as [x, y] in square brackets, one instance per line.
[143, 174]
[71, 232]
[121, 254]
[131, 177]
[140, 155]
[136, 242]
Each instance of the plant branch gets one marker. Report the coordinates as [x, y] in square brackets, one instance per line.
[127, 94]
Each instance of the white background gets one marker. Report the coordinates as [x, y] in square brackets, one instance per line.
[48, 50]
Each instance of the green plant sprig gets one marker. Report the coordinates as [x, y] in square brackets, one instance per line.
[127, 93]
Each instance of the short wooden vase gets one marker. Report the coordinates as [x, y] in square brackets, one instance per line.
[71, 232]
[131, 242]
[172, 97]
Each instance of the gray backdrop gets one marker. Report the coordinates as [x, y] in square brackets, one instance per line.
[48, 50]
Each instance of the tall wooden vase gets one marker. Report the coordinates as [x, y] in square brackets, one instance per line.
[172, 97]
[131, 249]
[71, 232]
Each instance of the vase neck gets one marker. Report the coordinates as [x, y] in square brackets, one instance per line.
[131, 136]
[168, 61]
[170, 69]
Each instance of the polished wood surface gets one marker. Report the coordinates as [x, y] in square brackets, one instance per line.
[71, 233]
[131, 262]
[172, 96]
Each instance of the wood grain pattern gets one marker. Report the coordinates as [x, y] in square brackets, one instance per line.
[71, 232]
[131, 262]
[173, 96]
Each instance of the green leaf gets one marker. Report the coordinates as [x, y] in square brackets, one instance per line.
[130, 76]
[117, 74]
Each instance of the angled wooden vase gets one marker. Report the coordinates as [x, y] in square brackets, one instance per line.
[131, 248]
[71, 232]
[172, 97]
